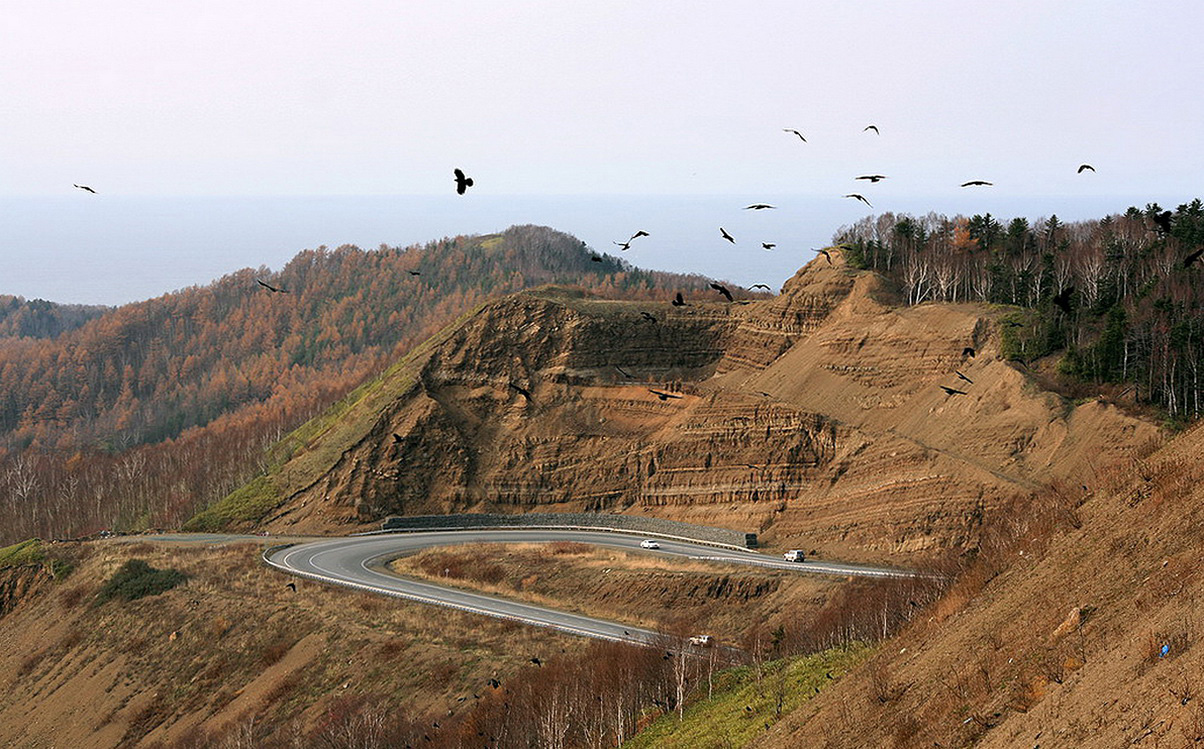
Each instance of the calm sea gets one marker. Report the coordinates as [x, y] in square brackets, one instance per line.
[105, 249]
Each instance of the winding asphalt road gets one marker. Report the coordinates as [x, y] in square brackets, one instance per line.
[361, 563]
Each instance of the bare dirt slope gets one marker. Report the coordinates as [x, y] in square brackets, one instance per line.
[1064, 647]
[231, 649]
[815, 418]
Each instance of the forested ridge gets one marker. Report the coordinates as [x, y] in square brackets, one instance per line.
[1121, 297]
[38, 318]
[151, 410]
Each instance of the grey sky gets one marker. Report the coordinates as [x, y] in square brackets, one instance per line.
[229, 97]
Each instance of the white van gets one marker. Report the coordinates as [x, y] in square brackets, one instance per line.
[795, 555]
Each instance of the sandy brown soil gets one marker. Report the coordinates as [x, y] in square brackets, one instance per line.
[1062, 648]
[815, 419]
[231, 646]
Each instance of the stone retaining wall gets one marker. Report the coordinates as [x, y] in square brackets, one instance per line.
[593, 520]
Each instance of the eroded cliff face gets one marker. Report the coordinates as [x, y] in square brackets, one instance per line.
[815, 418]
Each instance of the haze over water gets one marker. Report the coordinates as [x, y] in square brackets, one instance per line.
[112, 249]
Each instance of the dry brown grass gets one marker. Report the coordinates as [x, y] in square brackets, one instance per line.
[231, 639]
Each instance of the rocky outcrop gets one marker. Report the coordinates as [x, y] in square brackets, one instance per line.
[815, 418]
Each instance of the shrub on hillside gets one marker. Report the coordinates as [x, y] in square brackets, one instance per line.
[137, 579]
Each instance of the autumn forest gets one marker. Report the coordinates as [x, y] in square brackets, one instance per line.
[139, 416]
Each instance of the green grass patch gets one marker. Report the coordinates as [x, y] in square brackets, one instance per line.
[137, 579]
[742, 704]
[247, 504]
[20, 554]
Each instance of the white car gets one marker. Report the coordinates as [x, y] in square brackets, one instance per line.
[702, 641]
[648, 543]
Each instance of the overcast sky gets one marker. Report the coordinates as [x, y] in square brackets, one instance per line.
[228, 97]
[182, 100]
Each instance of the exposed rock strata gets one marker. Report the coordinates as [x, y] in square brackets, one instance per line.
[814, 418]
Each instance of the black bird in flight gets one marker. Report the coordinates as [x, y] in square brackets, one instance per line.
[962, 376]
[758, 206]
[595, 258]
[722, 290]
[952, 391]
[647, 316]
[640, 233]
[768, 245]
[271, 288]
[859, 197]
[415, 273]
[1062, 300]
[663, 396]
[977, 183]
[1084, 167]
[678, 301]
[827, 255]
[537, 662]
[760, 286]
[292, 587]
[968, 351]
[871, 127]
[85, 187]
[1193, 257]
[624, 246]
[872, 177]
[625, 374]
[462, 182]
[791, 130]
[396, 438]
[521, 391]
[494, 683]
[726, 236]
[1162, 221]
[1011, 324]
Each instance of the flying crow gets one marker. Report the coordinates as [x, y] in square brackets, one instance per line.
[521, 391]
[968, 351]
[760, 286]
[758, 206]
[462, 182]
[800, 135]
[859, 197]
[871, 127]
[726, 236]
[722, 290]
[962, 376]
[1084, 167]
[952, 391]
[1193, 257]
[872, 177]
[826, 254]
[977, 183]
[768, 245]
[85, 187]
[678, 301]
[271, 288]
[647, 316]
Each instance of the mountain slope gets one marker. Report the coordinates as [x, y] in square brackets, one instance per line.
[1059, 640]
[815, 418]
[140, 415]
